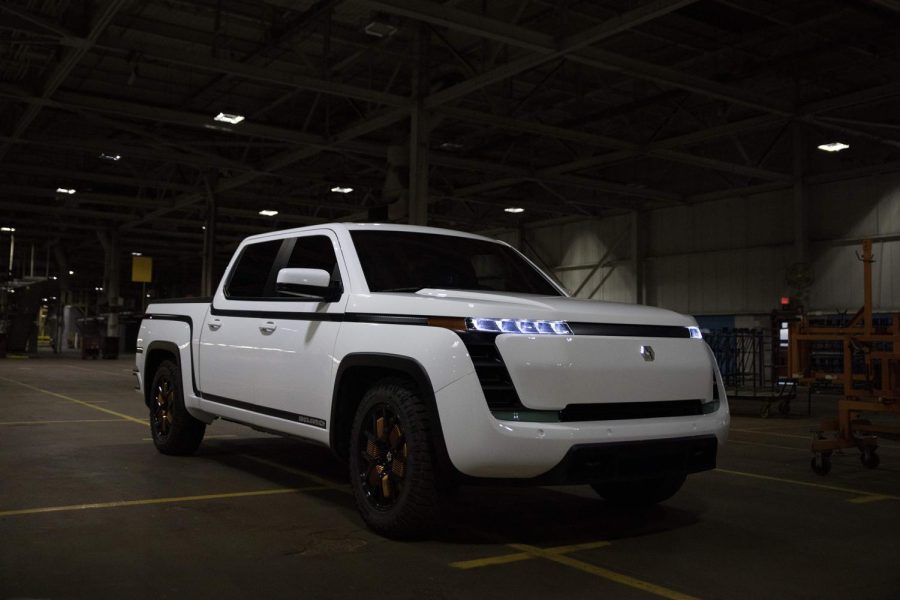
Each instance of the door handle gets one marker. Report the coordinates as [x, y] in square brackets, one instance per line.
[214, 324]
[268, 327]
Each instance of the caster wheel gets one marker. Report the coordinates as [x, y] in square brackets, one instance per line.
[821, 464]
[869, 458]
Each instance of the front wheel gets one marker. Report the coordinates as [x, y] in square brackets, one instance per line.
[173, 429]
[640, 493]
[392, 462]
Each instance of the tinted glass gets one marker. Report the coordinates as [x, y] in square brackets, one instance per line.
[314, 252]
[400, 261]
[250, 277]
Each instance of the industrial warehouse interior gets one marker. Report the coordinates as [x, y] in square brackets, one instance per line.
[734, 162]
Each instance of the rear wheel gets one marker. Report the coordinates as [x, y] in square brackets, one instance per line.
[173, 429]
[643, 492]
[392, 462]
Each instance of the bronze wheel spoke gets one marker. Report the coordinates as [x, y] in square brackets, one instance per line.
[385, 486]
[383, 450]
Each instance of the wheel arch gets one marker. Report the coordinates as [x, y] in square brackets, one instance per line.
[356, 374]
[156, 353]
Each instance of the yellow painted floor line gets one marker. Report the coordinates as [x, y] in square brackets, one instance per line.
[881, 443]
[820, 486]
[504, 559]
[103, 371]
[868, 499]
[743, 443]
[532, 551]
[76, 401]
[773, 433]
[311, 476]
[510, 558]
[150, 501]
[220, 436]
[592, 569]
[60, 421]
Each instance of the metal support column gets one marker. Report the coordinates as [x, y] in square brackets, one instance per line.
[800, 212]
[112, 284]
[419, 131]
[12, 249]
[637, 255]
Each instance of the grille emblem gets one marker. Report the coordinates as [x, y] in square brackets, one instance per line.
[648, 354]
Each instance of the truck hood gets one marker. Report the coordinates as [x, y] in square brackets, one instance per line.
[465, 303]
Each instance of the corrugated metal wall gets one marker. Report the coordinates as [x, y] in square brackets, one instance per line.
[732, 256]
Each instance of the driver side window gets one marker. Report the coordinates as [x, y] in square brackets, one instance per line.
[314, 252]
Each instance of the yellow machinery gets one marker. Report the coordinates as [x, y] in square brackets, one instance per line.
[870, 376]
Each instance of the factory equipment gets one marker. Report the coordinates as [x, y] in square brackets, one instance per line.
[861, 354]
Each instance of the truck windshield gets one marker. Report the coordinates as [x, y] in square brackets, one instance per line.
[403, 261]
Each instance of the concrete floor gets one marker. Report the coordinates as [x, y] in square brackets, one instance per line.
[88, 509]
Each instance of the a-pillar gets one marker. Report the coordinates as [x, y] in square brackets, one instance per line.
[207, 285]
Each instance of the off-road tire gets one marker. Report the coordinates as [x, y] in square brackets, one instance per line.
[174, 430]
[411, 509]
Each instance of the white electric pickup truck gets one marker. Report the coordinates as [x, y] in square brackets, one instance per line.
[426, 357]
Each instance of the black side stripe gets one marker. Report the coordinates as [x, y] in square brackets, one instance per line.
[190, 324]
[265, 410]
[598, 329]
[315, 316]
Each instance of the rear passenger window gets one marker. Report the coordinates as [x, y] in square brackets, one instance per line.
[315, 252]
[251, 275]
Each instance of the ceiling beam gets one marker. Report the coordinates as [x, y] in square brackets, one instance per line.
[105, 12]
[631, 149]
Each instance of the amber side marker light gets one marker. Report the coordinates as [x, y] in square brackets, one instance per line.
[454, 323]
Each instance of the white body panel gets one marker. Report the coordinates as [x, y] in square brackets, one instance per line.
[550, 372]
[283, 356]
[481, 446]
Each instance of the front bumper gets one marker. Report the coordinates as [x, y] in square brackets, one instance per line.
[479, 445]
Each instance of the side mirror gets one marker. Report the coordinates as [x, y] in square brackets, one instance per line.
[307, 284]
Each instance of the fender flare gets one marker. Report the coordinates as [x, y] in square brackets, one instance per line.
[409, 367]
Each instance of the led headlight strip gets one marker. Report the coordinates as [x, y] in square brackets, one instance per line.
[519, 326]
[546, 327]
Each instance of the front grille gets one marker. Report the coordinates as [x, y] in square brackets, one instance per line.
[616, 411]
[503, 400]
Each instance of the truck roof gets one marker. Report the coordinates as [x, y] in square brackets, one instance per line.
[372, 227]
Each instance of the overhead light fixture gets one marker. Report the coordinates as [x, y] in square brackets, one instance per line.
[137, 253]
[8, 229]
[69, 191]
[514, 209]
[71, 272]
[268, 213]
[450, 146]
[834, 147]
[341, 190]
[228, 118]
[112, 157]
[380, 29]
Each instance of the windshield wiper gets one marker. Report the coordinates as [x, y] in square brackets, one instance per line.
[403, 289]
